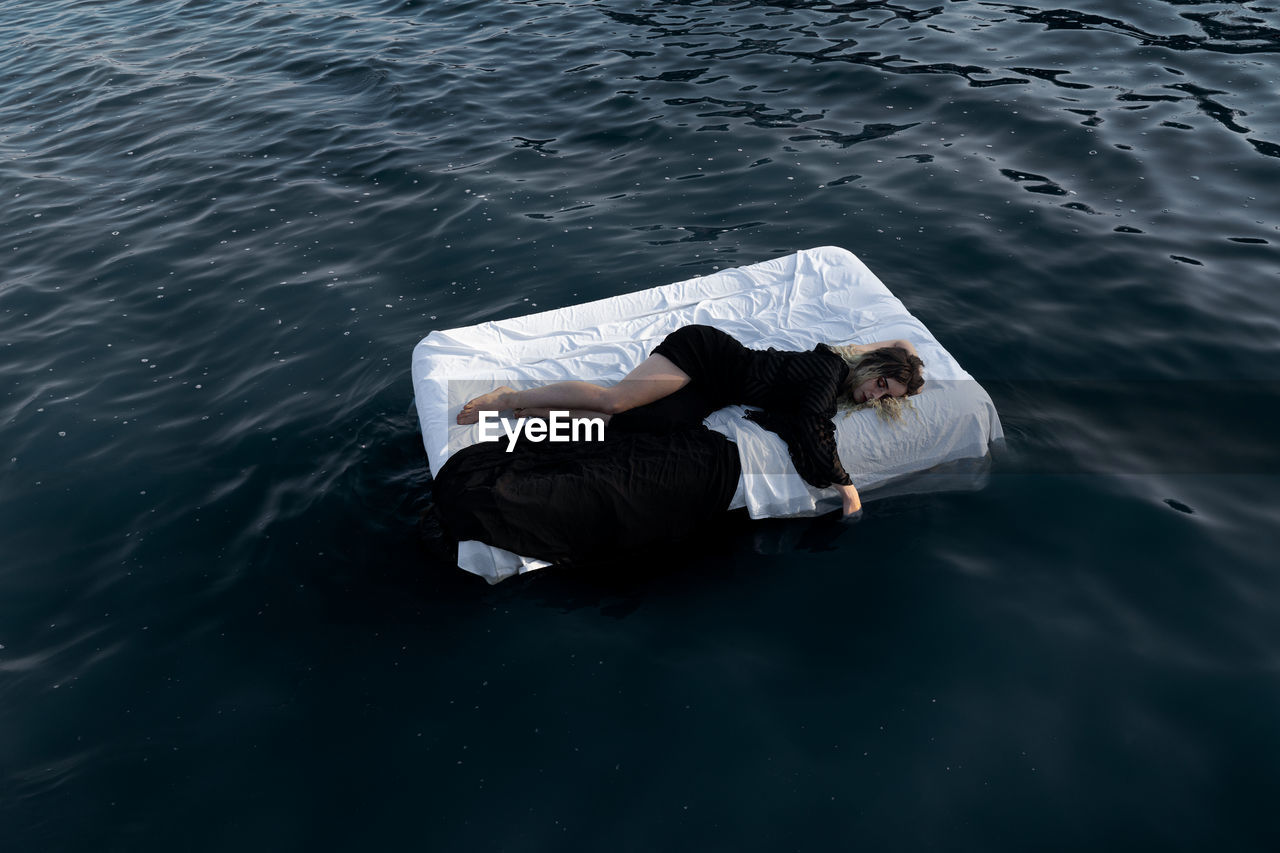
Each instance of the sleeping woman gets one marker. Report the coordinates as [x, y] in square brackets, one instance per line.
[698, 369]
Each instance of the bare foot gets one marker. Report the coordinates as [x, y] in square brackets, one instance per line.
[491, 402]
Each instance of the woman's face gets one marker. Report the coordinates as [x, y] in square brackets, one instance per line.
[874, 389]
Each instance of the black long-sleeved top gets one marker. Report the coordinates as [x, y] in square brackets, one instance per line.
[794, 393]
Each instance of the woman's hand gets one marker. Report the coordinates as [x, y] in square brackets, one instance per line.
[852, 503]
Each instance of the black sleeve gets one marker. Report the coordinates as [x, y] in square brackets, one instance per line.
[811, 440]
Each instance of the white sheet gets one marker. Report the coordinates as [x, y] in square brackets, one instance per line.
[818, 295]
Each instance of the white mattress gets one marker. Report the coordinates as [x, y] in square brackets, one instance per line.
[818, 295]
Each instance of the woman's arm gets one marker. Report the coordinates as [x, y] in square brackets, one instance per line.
[852, 503]
[811, 442]
[904, 344]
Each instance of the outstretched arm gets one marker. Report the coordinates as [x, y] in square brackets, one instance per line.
[811, 441]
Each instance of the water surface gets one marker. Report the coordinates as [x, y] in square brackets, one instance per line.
[227, 223]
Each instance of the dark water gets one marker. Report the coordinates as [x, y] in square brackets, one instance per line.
[227, 223]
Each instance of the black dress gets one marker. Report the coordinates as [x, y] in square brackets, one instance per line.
[660, 474]
[795, 391]
[587, 500]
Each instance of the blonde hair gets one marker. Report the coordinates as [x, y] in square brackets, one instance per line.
[883, 363]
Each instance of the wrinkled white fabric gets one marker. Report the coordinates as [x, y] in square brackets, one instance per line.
[818, 295]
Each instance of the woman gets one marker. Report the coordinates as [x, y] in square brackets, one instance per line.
[698, 369]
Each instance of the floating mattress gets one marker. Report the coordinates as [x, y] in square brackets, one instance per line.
[794, 302]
